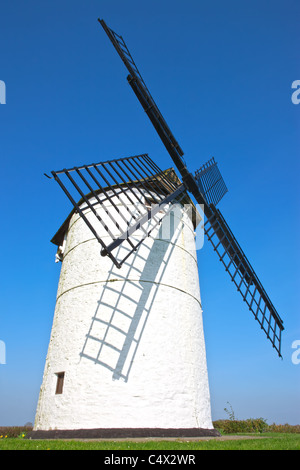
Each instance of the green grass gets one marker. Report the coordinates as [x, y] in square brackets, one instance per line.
[267, 441]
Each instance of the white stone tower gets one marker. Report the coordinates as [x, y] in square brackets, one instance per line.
[127, 352]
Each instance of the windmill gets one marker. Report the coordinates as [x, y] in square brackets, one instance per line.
[127, 352]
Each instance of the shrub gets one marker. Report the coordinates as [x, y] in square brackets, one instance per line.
[229, 426]
[284, 428]
[14, 431]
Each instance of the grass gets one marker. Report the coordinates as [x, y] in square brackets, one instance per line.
[234, 432]
[266, 441]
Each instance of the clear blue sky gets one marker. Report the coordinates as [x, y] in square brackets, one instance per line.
[221, 73]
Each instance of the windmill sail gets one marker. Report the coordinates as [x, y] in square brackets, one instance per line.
[135, 193]
[213, 188]
[144, 96]
[243, 276]
[210, 182]
[135, 76]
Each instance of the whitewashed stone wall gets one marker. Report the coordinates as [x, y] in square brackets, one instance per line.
[130, 341]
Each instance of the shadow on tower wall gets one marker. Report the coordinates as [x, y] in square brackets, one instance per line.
[126, 300]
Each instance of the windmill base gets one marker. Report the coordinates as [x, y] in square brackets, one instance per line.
[122, 433]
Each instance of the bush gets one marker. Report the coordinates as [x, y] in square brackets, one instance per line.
[14, 431]
[284, 428]
[229, 426]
